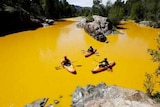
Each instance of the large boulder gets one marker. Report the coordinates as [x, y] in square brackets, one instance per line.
[99, 28]
[94, 29]
[81, 23]
[110, 96]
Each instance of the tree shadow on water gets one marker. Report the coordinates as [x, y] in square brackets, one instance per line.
[7, 31]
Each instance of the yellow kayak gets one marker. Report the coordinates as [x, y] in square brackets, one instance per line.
[87, 54]
[100, 69]
[69, 67]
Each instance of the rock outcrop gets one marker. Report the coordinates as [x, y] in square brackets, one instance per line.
[103, 96]
[110, 96]
[38, 103]
[99, 28]
[82, 23]
[150, 24]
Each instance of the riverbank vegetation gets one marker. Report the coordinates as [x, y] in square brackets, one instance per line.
[152, 80]
[21, 14]
[138, 10]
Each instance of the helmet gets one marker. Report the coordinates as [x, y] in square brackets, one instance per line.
[105, 58]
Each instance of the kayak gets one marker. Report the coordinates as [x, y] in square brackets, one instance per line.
[69, 67]
[87, 54]
[100, 69]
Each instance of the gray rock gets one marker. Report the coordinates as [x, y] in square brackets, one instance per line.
[38, 103]
[81, 23]
[56, 101]
[150, 24]
[50, 105]
[110, 96]
[99, 28]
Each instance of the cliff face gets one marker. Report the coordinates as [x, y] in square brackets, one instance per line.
[110, 96]
[14, 19]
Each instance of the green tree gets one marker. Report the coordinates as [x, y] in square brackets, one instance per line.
[36, 7]
[98, 8]
[128, 5]
[153, 79]
[149, 84]
[155, 53]
[48, 8]
[108, 7]
[136, 12]
[150, 7]
[143, 10]
[158, 10]
[116, 12]
[85, 11]
[96, 2]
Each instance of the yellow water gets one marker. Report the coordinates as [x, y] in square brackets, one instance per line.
[28, 60]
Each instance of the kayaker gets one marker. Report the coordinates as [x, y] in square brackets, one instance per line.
[65, 61]
[104, 63]
[90, 49]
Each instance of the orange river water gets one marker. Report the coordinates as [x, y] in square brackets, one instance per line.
[28, 60]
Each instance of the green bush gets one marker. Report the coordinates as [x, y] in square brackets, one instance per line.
[156, 97]
[153, 79]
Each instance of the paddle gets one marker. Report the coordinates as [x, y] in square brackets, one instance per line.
[58, 67]
[83, 51]
[110, 69]
[97, 54]
[78, 65]
[96, 60]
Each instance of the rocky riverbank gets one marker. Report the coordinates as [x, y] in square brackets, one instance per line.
[150, 24]
[103, 96]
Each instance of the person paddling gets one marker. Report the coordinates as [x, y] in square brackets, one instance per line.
[104, 63]
[65, 61]
[90, 49]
